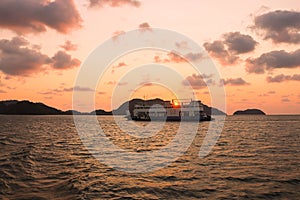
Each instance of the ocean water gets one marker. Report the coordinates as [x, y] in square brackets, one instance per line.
[256, 157]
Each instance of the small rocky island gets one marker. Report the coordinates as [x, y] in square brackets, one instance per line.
[249, 112]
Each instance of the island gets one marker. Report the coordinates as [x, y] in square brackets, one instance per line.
[26, 107]
[252, 111]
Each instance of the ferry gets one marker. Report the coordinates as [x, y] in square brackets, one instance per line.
[175, 110]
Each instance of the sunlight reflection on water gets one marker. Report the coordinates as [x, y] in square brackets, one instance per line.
[256, 157]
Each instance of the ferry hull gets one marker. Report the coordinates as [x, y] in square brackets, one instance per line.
[171, 118]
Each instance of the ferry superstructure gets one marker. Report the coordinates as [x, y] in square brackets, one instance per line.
[175, 110]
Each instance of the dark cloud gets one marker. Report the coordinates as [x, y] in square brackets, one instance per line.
[34, 16]
[68, 46]
[114, 3]
[18, 59]
[62, 60]
[273, 60]
[197, 81]
[280, 26]
[239, 43]
[217, 49]
[230, 46]
[234, 81]
[282, 78]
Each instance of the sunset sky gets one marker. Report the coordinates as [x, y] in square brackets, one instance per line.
[253, 44]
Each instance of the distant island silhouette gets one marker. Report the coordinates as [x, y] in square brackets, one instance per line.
[25, 107]
[249, 112]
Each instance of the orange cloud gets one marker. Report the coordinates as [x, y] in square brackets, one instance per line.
[68, 46]
[121, 64]
[116, 34]
[145, 27]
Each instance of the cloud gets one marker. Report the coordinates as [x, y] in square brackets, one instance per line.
[285, 100]
[1, 83]
[157, 59]
[176, 58]
[2, 91]
[111, 82]
[79, 89]
[47, 92]
[182, 45]
[70, 89]
[234, 81]
[114, 3]
[34, 16]
[239, 43]
[18, 59]
[145, 27]
[280, 26]
[217, 50]
[194, 56]
[68, 46]
[273, 60]
[116, 34]
[120, 64]
[62, 60]
[227, 49]
[264, 95]
[146, 83]
[281, 78]
[122, 83]
[197, 81]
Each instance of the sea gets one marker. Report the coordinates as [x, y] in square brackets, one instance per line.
[253, 157]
